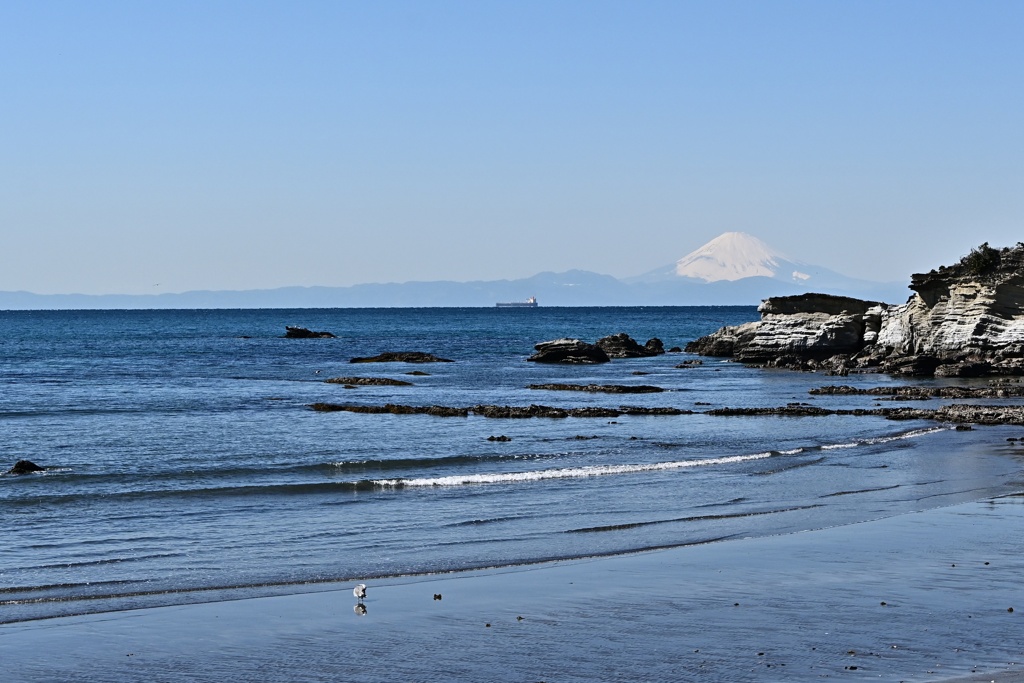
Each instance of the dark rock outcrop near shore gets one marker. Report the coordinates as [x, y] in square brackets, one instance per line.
[369, 381]
[390, 408]
[601, 388]
[621, 345]
[402, 357]
[25, 467]
[296, 332]
[956, 414]
[579, 352]
[570, 351]
[918, 393]
[495, 411]
[965, 320]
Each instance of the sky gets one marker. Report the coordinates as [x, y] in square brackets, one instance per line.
[151, 147]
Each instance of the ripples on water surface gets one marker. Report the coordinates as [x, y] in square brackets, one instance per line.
[185, 458]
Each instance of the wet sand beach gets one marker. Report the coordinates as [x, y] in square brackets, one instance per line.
[918, 597]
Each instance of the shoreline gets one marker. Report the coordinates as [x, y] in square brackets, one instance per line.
[922, 596]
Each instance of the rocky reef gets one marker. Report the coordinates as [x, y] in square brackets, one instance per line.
[369, 382]
[401, 357]
[965, 320]
[603, 388]
[578, 352]
[621, 345]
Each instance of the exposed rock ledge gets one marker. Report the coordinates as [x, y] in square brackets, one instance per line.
[966, 320]
[603, 388]
[578, 352]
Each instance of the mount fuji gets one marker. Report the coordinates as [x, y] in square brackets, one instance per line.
[735, 265]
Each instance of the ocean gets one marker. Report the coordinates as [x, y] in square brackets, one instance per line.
[185, 465]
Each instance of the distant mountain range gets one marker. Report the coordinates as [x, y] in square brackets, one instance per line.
[733, 269]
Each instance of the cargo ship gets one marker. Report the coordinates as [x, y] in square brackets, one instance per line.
[529, 303]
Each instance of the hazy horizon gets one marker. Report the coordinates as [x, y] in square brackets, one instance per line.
[234, 146]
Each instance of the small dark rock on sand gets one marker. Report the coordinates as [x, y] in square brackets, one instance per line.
[25, 467]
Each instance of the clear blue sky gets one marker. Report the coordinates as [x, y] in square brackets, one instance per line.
[168, 146]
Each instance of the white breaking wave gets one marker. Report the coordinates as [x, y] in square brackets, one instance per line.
[604, 470]
[565, 472]
[885, 439]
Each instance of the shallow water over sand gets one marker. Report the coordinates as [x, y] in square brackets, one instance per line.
[917, 597]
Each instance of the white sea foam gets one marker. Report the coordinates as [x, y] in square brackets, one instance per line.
[885, 439]
[835, 446]
[604, 470]
[566, 472]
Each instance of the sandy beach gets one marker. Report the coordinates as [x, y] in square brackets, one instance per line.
[929, 596]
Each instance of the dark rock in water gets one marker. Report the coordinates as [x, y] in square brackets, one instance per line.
[369, 381]
[402, 357]
[495, 411]
[393, 409]
[675, 349]
[519, 412]
[501, 438]
[796, 410]
[603, 388]
[25, 467]
[642, 410]
[689, 364]
[924, 392]
[655, 346]
[571, 351]
[296, 332]
[621, 345]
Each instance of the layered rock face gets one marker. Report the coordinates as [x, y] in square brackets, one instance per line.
[963, 320]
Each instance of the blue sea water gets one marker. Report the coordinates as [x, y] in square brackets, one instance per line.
[185, 464]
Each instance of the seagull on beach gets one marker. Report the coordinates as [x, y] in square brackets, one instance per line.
[359, 591]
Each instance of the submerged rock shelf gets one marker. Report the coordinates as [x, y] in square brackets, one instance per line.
[601, 388]
[495, 411]
[953, 414]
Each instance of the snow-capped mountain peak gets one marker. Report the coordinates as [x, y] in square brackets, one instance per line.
[734, 256]
[743, 264]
